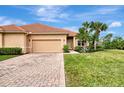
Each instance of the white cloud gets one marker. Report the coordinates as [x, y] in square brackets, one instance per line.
[72, 28]
[107, 10]
[7, 21]
[49, 19]
[51, 13]
[115, 24]
[96, 13]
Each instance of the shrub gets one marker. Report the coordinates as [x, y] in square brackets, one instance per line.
[10, 51]
[99, 48]
[66, 49]
[107, 45]
[78, 49]
[117, 43]
[90, 50]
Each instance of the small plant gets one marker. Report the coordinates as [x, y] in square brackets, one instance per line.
[10, 51]
[78, 48]
[66, 49]
[100, 48]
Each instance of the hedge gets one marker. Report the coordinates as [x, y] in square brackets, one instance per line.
[10, 51]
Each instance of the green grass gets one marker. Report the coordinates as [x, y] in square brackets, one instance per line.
[97, 69]
[4, 57]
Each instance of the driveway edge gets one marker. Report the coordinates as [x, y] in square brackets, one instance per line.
[62, 73]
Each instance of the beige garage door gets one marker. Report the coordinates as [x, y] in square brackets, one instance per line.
[46, 45]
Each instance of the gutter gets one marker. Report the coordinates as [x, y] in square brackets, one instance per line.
[13, 32]
[51, 33]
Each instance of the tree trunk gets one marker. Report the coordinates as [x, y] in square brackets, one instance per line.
[87, 43]
[84, 46]
[95, 45]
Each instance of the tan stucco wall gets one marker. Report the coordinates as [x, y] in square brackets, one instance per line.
[75, 42]
[36, 37]
[25, 42]
[15, 40]
[0, 40]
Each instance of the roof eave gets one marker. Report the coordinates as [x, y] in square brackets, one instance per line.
[52, 33]
[13, 32]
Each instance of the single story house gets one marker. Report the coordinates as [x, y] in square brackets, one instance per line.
[37, 38]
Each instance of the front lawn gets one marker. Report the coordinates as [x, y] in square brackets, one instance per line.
[103, 68]
[4, 57]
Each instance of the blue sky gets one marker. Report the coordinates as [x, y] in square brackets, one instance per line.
[67, 17]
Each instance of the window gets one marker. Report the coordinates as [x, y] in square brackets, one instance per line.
[79, 43]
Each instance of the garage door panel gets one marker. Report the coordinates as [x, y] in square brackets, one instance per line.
[47, 46]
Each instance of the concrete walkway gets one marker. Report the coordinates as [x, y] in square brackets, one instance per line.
[33, 70]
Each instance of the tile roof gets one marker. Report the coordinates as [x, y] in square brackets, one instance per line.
[1, 30]
[36, 28]
[11, 28]
[39, 28]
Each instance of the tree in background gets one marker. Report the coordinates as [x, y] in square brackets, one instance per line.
[97, 27]
[117, 43]
[89, 38]
[107, 41]
[89, 34]
[83, 35]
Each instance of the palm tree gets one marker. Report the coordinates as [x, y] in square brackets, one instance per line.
[108, 37]
[83, 35]
[97, 27]
[106, 41]
[80, 36]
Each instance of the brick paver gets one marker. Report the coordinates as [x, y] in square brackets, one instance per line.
[33, 70]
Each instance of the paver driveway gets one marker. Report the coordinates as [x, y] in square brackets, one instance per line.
[33, 70]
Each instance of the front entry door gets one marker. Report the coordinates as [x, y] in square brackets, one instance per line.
[70, 43]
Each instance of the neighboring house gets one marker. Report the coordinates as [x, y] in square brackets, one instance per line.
[36, 38]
